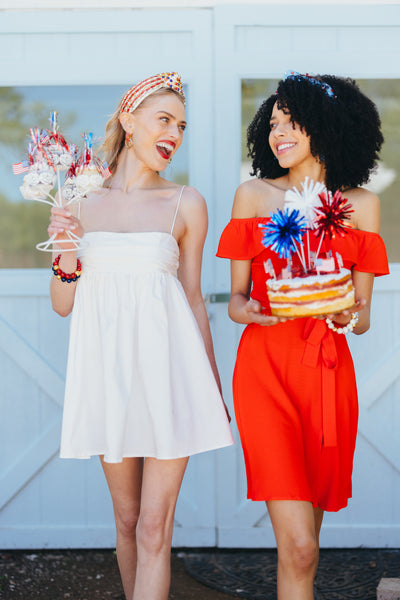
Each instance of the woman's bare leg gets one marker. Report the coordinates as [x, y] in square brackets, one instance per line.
[160, 488]
[318, 516]
[125, 482]
[297, 541]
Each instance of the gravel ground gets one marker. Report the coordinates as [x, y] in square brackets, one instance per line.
[343, 574]
[82, 575]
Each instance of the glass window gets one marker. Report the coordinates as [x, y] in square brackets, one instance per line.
[80, 109]
[385, 182]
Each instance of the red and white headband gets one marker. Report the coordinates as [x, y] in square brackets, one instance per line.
[136, 94]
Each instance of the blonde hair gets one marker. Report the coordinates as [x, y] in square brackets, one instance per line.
[114, 139]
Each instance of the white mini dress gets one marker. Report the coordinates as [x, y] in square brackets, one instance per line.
[139, 382]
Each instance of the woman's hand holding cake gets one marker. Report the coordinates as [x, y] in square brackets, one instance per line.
[253, 313]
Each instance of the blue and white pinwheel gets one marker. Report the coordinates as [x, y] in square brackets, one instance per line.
[283, 231]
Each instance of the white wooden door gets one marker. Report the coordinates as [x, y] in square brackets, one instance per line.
[45, 501]
[263, 42]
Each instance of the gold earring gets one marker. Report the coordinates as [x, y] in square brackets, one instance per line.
[128, 140]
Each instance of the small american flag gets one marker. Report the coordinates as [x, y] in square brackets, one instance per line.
[104, 170]
[325, 265]
[21, 167]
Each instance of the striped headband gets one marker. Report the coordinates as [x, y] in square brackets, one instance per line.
[136, 94]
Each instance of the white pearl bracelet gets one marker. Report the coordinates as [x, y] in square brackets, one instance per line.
[349, 327]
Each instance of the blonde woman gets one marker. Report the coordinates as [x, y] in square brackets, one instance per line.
[142, 388]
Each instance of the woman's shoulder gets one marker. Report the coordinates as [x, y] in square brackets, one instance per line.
[366, 209]
[192, 202]
[361, 194]
[256, 198]
[191, 195]
[193, 209]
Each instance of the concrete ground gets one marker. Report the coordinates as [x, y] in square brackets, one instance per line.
[82, 575]
[93, 574]
[184, 587]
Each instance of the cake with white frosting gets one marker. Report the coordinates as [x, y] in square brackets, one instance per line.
[318, 294]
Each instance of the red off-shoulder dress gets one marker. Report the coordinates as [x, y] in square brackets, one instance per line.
[294, 384]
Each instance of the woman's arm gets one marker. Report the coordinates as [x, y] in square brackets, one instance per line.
[194, 214]
[62, 293]
[366, 216]
[242, 308]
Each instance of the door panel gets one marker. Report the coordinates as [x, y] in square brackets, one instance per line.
[262, 43]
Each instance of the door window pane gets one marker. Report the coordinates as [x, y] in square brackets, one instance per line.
[81, 109]
[385, 182]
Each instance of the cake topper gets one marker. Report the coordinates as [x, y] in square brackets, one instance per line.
[283, 232]
[313, 211]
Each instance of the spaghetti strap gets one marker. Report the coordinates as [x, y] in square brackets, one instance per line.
[177, 208]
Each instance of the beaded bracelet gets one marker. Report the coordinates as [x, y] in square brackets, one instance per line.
[349, 327]
[68, 277]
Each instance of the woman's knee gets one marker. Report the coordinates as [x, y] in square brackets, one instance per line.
[126, 520]
[154, 532]
[300, 555]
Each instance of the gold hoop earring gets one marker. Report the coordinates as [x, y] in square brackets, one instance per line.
[128, 140]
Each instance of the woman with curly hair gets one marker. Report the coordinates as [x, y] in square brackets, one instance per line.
[138, 327]
[294, 379]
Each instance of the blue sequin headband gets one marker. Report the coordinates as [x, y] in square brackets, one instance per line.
[326, 88]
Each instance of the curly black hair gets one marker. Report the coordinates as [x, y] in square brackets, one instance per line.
[344, 131]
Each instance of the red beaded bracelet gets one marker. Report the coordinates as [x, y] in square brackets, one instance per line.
[68, 277]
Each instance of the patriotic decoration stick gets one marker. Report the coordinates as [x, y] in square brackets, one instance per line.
[49, 154]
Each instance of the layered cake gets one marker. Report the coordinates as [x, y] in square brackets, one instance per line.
[318, 294]
[317, 284]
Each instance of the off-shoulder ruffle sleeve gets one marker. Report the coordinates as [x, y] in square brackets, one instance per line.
[361, 250]
[364, 250]
[241, 239]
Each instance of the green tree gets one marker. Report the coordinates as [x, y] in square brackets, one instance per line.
[22, 223]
